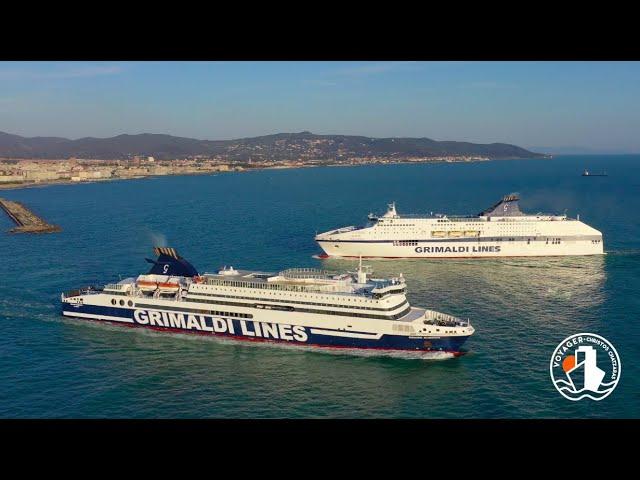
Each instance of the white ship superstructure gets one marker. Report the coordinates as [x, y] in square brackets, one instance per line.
[500, 231]
[297, 306]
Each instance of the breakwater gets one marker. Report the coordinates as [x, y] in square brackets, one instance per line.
[26, 221]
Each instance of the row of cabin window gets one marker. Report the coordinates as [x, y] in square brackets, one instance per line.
[264, 286]
[199, 312]
[210, 312]
[121, 302]
[297, 302]
[405, 243]
[307, 310]
[375, 296]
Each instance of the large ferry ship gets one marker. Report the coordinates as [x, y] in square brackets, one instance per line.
[500, 231]
[300, 306]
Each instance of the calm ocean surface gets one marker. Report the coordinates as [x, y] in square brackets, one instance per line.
[521, 308]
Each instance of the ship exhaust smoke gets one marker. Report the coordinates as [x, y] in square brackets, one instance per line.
[158, 239]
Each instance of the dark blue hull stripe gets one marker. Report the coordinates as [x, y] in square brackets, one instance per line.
[248, 329]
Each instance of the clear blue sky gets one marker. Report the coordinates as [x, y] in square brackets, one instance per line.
[588, 104]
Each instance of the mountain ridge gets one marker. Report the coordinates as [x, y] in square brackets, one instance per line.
[273, 147]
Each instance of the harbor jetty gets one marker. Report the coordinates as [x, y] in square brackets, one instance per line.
[25, 219]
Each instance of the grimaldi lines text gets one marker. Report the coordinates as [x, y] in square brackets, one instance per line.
[300, 306]
[500, 231]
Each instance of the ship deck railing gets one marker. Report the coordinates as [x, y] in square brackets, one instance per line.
[433, 317]
[88, 290]
[337, 287]
[307, 273]
[435, 215]
[116, 286]
[347, 229]
[381, 284]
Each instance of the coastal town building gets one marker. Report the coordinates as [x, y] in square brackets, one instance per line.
[24, 172]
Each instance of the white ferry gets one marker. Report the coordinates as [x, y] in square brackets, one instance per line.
[500, 231]
[296, 306]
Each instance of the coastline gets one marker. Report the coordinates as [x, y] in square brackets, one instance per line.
[18, 186]
[49, 183]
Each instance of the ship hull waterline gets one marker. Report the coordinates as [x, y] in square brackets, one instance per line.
[246, 331]
[470, 249]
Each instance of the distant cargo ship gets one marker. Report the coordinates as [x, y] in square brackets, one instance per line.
[298, 306]
[500, 231]
[587, 173]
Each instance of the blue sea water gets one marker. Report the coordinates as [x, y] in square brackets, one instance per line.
[521, 308]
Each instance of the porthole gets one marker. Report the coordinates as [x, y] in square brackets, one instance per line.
[113, 301]
[121, 303]
[130, 303]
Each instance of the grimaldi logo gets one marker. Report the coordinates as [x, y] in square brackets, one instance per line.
[585, 365]
[206, 323]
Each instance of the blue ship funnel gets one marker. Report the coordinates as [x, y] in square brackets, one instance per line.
[507, 207]
[170, 263]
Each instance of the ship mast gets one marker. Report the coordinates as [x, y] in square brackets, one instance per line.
[391, 210]
[362, 274]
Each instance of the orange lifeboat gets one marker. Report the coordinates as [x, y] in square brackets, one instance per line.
[147, 285]
[169, 286]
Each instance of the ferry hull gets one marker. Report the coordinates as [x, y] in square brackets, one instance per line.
[502, 230]
[460, 249]
[257, 330]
